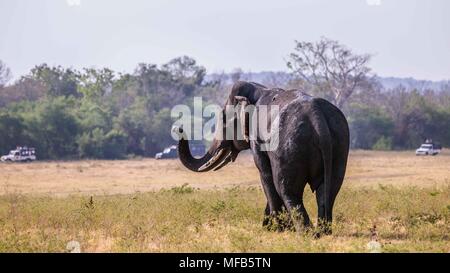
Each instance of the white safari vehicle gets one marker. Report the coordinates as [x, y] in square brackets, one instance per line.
[429, 149]
[20, 154]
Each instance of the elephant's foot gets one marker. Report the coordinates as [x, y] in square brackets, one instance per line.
[319, 234]
[278, 223]
[301, 221]
[323, 228]
[304, 229]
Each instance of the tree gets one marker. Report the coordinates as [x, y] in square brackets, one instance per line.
[92, 116]
[25, 89]
[328, 66]
[96, 83]
[236, 75]
[11, 132]
[277, 79]
[57, 80]
[185, 68]
[97, 113]
[53, 127]
[135, 121]
[157, 135]
[96, 144]
[417, 116]
[369, 127]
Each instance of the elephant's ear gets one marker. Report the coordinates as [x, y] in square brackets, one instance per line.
[244, 116]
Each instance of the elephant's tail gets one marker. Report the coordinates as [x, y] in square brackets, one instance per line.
[322, 130]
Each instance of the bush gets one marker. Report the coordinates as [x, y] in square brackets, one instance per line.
[52, 127]
[383, 144]
[115, 145]
[96, 144]
[368, 126]
[11, 132]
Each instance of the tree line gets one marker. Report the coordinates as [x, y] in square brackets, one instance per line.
[98, 113]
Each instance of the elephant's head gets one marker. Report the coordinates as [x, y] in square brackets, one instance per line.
[223, 149]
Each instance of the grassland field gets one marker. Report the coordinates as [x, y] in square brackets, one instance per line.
[147, 205]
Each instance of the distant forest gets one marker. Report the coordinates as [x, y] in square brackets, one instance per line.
[99, 113]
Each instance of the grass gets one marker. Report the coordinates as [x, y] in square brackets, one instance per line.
[101, 177]
[146, 205]
[184, 219]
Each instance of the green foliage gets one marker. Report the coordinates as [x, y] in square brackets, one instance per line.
[93, 115]
[57, 80]
[417, 118]
[368, 126]
[97, 144]
[53, 127]
[383, 144]
[115, 145]
[399, 119]
[90, 144]
[97, 113]
[11, 131]
[94, 84]
[135, 121]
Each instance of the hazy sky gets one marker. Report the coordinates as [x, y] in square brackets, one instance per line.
[408, 37]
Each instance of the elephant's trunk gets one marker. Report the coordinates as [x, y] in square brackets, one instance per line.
[215, 158]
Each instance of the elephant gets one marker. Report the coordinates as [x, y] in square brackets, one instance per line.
[312, 149]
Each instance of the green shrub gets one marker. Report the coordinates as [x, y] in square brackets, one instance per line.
[383, 144]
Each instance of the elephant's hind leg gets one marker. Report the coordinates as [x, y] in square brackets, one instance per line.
[324, 215]
[290, 186]
[274, 206]
[277, 220]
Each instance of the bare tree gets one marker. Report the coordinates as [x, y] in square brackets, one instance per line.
[396, 102]
[236, 75]
[329, 66]
[277, 79]
[5, 74]
[24, 89]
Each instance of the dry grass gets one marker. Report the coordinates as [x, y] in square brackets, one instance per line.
[101, 177]
[184, 219]
[141, 205]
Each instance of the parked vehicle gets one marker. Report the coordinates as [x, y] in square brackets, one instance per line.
[429, 149]
[172, 151]
[20, 154]
[169, 152]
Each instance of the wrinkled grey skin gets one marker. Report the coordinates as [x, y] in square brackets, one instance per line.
[313, 149]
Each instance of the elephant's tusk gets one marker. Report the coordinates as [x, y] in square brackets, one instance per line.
[227, 160]
[211, 161]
